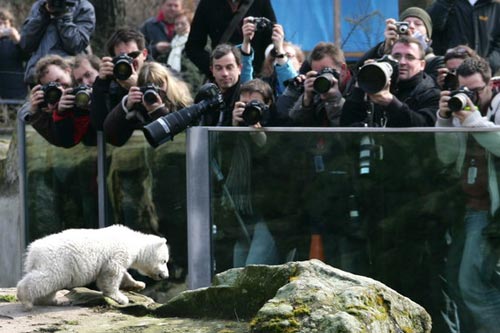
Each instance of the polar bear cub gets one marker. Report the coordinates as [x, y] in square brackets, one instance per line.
[77, 257]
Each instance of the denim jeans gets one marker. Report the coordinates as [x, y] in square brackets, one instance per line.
[478, 293]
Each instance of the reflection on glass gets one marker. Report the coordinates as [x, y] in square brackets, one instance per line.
[383, 204]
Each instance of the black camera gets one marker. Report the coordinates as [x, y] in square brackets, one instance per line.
[150, 93]
[325, 79]
[254, 111]
[83, 95]
[209, 98]
[123, 66]
[60, 6]
[262, 24]
[374, 76]
[51, 93]
[450, 81]
[402, 27]
[458, 100]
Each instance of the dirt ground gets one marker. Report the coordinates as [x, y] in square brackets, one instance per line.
[14, 319]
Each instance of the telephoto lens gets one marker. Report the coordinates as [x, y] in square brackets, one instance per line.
[82, 96]
[325, 80]
[123, 67]
[253, 112]
[52, 92]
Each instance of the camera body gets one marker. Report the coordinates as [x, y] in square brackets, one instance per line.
[402, 27]
[262, 24]
[83, 95]
[450, 81]
[60, 6]
[254, 110]
[51, 93]
[5, 32]
[325, 80]
[458, 100]
[374, 76]
[123, 66]
[150, 92]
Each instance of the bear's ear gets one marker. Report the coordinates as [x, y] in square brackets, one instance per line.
[162, 241]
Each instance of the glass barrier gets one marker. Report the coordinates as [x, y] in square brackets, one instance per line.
[147, 192]
[391, 205]
[61, 187]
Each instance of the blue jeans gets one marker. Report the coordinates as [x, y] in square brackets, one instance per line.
[478, 293]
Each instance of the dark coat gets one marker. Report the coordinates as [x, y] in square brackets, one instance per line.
[414, 105]
[211, 20]
[459, 23]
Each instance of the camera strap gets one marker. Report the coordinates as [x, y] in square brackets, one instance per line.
[242, 10]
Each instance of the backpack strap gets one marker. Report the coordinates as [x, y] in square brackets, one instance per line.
[242, 10]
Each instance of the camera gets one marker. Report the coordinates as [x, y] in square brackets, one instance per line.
[450, 81]
[5, 31]
[123, 66]
[150, 93]
[374, 76]
[262, 24]
[458, 100]
[325, 80]
[82, 94]
[51, 93]
[209, 98]
[402, 27]
[60, 6]
[253, 112]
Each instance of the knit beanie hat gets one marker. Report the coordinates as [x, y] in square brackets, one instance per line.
[420, 14]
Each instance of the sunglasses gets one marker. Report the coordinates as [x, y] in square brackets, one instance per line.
[457, 52]
[134, 54]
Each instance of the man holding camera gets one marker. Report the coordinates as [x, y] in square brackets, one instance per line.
[60, 27]
[221, 21]
[321, 101]
[475, 157]
[407, 96]
[55, 110]
[117, 72]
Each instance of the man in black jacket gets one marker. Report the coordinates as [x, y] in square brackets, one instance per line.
[211, 19]
[412, 101]
[457, 22]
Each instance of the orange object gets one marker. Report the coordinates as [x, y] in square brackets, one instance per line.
[316, 248]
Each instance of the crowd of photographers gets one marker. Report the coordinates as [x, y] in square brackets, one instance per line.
[150, 81]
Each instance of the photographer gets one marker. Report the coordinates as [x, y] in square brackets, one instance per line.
[321, 101]
[283, 57]
[126, 46]
[213, 20]
[411, 101]
[475, 157]
[56, 27]
[447, 78]
[52, 110]
[414, 22]
[157, 93]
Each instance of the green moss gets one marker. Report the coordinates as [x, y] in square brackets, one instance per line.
[8, 298]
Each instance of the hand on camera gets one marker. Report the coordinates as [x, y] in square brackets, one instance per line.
[67, 101]
[390, 34]
[36, 98]
[239, 107]
[134, 96]
[106, 68]
[383, 97]
[248, 30]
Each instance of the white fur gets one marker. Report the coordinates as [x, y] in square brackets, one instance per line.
[77, 257]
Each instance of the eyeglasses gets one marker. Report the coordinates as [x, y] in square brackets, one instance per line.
[134, 54]
[478, 90]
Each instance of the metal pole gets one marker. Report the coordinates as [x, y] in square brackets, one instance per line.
[337, 33]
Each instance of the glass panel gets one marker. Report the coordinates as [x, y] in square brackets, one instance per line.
[147, 192]
[379, 204]
[61, 186]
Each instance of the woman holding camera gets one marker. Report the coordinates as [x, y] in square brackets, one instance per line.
[157, 93]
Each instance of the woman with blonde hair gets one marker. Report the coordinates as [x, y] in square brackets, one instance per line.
[158, 93]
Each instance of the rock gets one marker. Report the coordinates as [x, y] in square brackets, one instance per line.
[307, 296]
